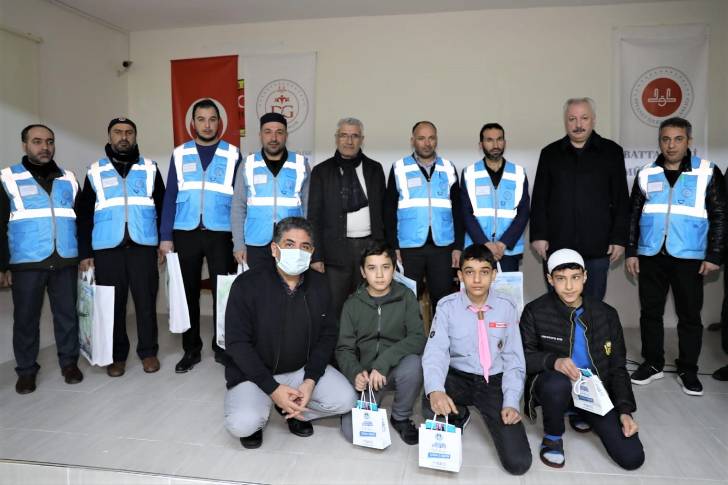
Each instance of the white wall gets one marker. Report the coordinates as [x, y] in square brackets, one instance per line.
[457, 69]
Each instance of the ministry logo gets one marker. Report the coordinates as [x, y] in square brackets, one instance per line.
[285, 97]
[661, 93]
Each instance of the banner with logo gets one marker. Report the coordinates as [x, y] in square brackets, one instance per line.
[283, 84]
[661, 72]
[207, 77]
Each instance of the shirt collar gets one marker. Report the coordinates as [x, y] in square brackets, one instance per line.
[465, 301]
[290, 291]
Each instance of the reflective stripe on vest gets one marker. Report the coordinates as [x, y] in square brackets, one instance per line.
[494, 208]
[677, 215]
[40, 223]
[270, 198]
[204, 195]
[424, 204]
[123, 203]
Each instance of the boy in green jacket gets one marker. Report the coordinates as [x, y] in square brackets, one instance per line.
[381, 340]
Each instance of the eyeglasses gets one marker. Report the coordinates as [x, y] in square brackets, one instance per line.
[349, 137]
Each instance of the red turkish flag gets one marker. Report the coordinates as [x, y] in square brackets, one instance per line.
[215, 78]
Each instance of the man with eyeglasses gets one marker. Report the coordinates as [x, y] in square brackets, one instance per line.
[345, 208]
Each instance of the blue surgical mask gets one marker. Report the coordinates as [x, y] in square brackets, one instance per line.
[293, 261]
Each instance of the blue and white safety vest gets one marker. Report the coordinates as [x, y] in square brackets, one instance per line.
[204, 194]
[495, 208]
[39, 222]
[424, 204]
[675, 215]
[123, 202]
[270, 198]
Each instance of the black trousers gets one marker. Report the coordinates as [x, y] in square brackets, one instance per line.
[27, 289]
[472, 390]
[553, 391]
[135, 268]
[724, 312]
[345, 279]
[192, 246]
[258, 255]
[432, 261]
[657, 275]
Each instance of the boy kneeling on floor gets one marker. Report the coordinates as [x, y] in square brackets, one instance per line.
[563, 332]
[474, 357]
[381, 339]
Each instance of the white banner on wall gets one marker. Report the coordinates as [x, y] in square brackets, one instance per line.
[661, 72]
[284, 84]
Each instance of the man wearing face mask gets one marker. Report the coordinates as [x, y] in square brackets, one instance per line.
[280, 332]
[118, 226]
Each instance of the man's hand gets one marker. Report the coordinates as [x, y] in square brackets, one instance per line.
[633, 265]
[541, 247]
[510, 415]
[164, 248]
[497, 248]
[6, 279]
[288, 398]
[567, 367]
[361, 381]
[399, 255]
[442, 404]
[86, 264]
[318, 267]
[239, 256]
[456, 258]
[629, 425]
[306, 390]
[378, 380]
[615, 252]
[707, 267]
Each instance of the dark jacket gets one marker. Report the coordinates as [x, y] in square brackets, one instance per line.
[715, 204]
[326, 212]
[254, 319]
[547, 330]
[379, 337]
[580, 200]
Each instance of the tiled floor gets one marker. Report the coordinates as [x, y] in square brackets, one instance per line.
[172, 425]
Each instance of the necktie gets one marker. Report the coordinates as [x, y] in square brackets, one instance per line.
[483, 347]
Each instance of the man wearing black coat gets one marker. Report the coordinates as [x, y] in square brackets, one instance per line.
[580, 198]
[345, 207]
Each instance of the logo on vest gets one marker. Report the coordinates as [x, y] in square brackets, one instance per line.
[660, 93]
[285, 97]
[223, 118]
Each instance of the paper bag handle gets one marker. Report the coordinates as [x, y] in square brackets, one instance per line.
[400, 268]
[582, 376]
[89, 276]
[434, 418]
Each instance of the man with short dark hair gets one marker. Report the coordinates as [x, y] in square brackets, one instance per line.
[280, 334]
[39, 252]
[196, 216]
[677, 234]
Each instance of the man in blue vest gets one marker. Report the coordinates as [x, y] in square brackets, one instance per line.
[495, 200]
[39, 252]
[196, 218]
[676, 238]
[118, 214]
[271, 184]
[423, 214]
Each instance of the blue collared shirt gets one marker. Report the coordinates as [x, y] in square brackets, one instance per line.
[453, 342]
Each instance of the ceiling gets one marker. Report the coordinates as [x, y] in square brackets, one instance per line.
[136, 15]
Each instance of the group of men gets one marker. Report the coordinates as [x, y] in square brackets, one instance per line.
[302, 233]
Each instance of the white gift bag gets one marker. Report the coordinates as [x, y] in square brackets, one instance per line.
[369, 423]
[179, 314]
[590, 395]
[510, 283]
[95, 307]
[401, 278]
[224, 282]
[440, 446]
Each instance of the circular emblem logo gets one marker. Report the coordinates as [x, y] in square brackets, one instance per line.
[223, 117]
[285, 97]
[660, 93]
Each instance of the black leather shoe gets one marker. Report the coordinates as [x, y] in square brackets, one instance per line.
[187, 363]
[25, 384]
[220, 357]
[407, 430]
[304, 429]
[72, 374]
[253, 441]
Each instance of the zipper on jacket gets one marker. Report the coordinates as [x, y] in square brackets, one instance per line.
[126, 201]
[588, 351]
[379, 328]
[495, 216]
[54, 232]
[429, 206]
[308, 320]
[667, 216]
[275, 198]
[202, 194]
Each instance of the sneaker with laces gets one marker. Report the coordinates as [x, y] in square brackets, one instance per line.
[645, 374]
[406, 429]
[690, 383]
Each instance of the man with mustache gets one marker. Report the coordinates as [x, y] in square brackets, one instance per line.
[118, 233]
[580, 198]
[38, 253]
[196, 219]
[271, 184]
